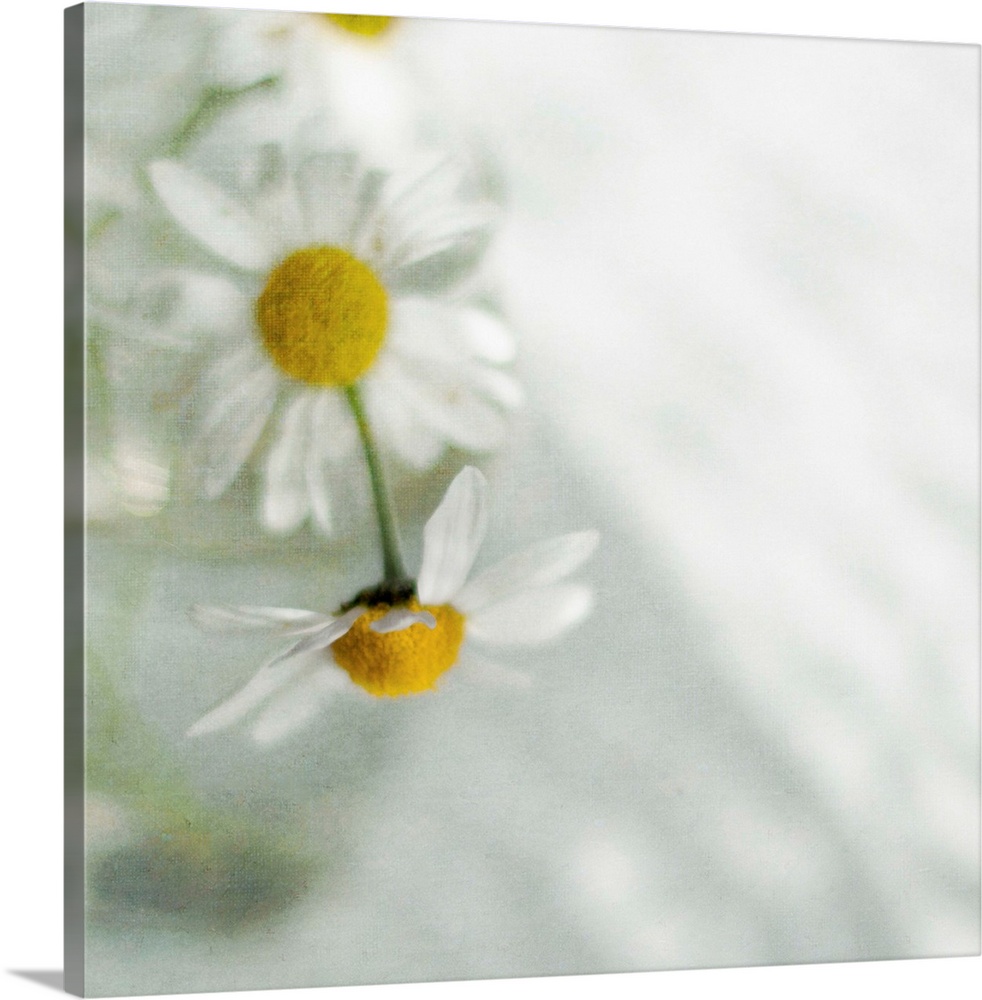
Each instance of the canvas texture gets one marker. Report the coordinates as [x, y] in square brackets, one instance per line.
[531, 507]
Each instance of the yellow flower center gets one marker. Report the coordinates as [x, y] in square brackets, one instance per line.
[322, 316]
[406, 662]
[361, 24]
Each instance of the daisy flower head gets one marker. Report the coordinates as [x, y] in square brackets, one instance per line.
[348, 67]
[338, 282]
[252, 45]
[363, 25]
[400, 637]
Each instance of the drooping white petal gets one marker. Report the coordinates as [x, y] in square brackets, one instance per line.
[298, 705]
[242, 400]
[176, 308]
[316, 476]
[142, 475]
[401, 618]
[286, 500]
[487, 336]
[223, 384]
[210, 215]
[221, 454]
[332, 426]
[452, 537]
[442, 396]
[422, 198]
[325, 188]
[456, 413]
[282, 621]
[537, 566]
[265, 682]
[398, 425]
[417, 216]
[366, 228]
[500, 387]
[433, 234]
[331, 437]
[532, 616]
[431, 181]
[423, 328]
[431, 341]
[322, 637]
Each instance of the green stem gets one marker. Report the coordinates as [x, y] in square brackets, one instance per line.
[213, 102]
[392, 565]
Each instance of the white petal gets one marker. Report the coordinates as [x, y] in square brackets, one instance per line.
[366, 223]
[440, 398]
[333, 430]
[533, 616]
[433, 234]
[219, 456]
[316, 474]
[331, 437]
[297, 705]
[282, 621]
[500, 387]
[322, 637]
[401, 618]
[488, 337]
[224, 382]
[452, 537]
[142, 475]
[211, 216]
[537, 566]
[280, 217]
[456, 413]
[418, 215]
[269, 679]
[177, 308]
[423, 328]
[433, 180]
[398, 425]
[432, 341]
[286, 499]
[326, 188]
[426, 192]
[242, 404]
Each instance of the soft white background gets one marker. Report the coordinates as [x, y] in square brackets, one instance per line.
[31, 730]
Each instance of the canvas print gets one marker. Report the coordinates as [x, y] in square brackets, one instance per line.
[529, 516]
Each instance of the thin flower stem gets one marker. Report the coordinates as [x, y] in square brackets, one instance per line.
[392, 565]
[213, 102]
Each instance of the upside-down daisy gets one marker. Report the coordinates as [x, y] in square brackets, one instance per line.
[338, 280]
[400, 638]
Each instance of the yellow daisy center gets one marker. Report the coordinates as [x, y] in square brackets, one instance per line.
[361, 24]
[322, 316]
[405, 662]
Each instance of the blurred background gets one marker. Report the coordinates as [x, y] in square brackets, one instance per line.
[743, 271]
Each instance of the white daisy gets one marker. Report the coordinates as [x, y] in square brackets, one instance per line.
[400, 638]
[365, 25]
[338, 278]
[252, 45]
[351, 69]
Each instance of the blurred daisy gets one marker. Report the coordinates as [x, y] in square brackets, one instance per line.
[137, 95]
[365, 25]
[400, 638]
[343, 66]
[250, 45]
[338, 280]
